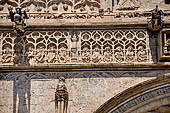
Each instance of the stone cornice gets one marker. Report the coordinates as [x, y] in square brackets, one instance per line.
[107, 67]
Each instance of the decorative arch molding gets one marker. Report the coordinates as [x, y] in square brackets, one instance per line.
[152, 96]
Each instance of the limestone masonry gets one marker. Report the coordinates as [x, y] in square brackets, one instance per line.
[84, 56]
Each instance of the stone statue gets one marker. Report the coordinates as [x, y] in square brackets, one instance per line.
[19, 55]
[18, 17]
[40, 56]
[107, 55]
[63, 55]
[61, 96]
[155, 24]
[142, 55]
[119, 55]
[86, 55]
[96, 57]
[130, 54]
[7, 55]
[51, 55]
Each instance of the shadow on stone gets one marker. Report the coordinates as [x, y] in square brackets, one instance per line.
[21, 95]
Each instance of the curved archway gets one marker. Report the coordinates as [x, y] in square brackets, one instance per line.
[152, 96]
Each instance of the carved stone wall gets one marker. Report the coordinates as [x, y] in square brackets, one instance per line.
[77, 47]
[32, 92]
[148, 97]
[84, 9]
[101, 47]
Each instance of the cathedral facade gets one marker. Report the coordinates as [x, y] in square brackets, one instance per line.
[84, 56]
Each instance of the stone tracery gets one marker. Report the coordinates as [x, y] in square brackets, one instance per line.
[92, 46]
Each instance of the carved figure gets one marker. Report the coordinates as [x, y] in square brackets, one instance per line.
[107, 55]
[63, 55]
[18, 17]
[96, 57]
[51, 55]
[86, 55]
[30, 55]
[130, 54]
[141, 55]
[7, 55]
[61, 96]
[155, 24]
[19, 56]
[119, 54]
[40, 56]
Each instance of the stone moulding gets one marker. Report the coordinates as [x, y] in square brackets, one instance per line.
[137, 98]
[78, 46]
[65, 68]
[89, 16]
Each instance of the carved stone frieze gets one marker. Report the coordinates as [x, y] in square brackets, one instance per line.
[82, 74]
[77, 9]
[80, 47]
[128, 5]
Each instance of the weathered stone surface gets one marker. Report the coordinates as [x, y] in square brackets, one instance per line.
[85, 94]
[78, 39]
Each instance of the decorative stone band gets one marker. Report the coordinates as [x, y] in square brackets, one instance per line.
[76, 47]
[69, 16]
[137, 98]
[10, 76]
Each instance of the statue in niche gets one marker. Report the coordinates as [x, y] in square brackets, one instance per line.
[7, 55]
[141, 55]
[119, 54]
[51, 55]
[107, 55]
[155, 24]
[61, 96]
[86, 55]
[18, 17]
[128, 5]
